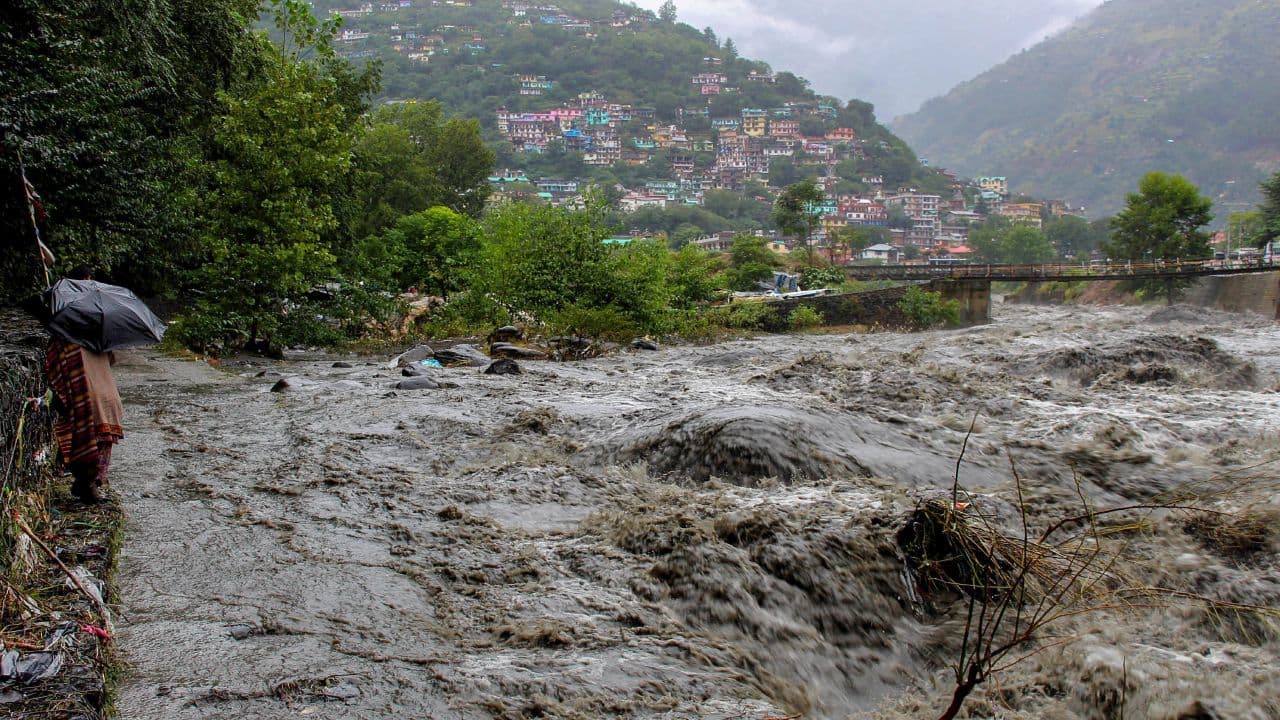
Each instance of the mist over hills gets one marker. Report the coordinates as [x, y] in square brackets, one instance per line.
[891, 55]
[1183, 86]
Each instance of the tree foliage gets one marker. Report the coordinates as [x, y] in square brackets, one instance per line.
[99, 103]
[413, 158]
[1074, 237]
[1163, 220]
[997, 240]
[797, 210]
[540, 259]
[750, 261]
[1270, 211]
[278, 153]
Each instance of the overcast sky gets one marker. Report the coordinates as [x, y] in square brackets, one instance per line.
[896, 55]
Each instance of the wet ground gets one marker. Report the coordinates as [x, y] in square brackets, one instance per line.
[698, 532]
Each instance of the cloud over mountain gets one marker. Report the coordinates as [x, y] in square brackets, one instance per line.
[894, 55]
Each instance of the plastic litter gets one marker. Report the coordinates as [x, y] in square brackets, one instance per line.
[430, 363]
[29, 668]
[95, 630]
[10, 696]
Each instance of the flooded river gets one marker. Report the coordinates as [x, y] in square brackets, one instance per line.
[697, 532]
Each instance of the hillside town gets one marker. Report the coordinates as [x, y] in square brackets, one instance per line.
[706, 147]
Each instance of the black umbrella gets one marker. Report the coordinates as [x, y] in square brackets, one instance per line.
[98, 316]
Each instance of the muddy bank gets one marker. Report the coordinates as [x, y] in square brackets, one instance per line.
[696, 532]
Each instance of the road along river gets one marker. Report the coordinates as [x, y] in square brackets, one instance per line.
[697, 532]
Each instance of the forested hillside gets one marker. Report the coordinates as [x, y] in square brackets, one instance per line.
[1184, 86]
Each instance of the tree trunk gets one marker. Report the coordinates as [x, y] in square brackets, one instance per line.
[957, 700]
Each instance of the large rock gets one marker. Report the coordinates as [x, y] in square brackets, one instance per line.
[506, 333]
[501, 349]
[462, 355]
[504, 366]
[412, 356]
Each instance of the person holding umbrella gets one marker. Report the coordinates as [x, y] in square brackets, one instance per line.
[88, 320]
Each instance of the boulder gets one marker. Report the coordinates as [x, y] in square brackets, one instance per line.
[290, 383]
[412, 356]
[462, 355]
[643, 344]
[343, 364]
[506, 333]
[501, 349]
[503, 366]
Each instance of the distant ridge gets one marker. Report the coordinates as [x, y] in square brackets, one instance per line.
[1187, 86]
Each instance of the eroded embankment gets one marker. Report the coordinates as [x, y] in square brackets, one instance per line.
[697, 532]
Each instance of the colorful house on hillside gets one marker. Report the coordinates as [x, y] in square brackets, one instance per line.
[997, 185]
[842, 135]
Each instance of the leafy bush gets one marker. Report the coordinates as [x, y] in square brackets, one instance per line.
[821, 277]
[927, 309]
[804, 317]
[596, 323]
[207, 330]
[748, 316]
[540, 259]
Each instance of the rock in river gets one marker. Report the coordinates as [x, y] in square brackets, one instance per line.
[462, 355]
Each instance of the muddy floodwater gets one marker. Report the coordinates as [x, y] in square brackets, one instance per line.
[696, 532]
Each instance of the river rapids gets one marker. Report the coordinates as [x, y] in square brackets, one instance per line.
[697, 532]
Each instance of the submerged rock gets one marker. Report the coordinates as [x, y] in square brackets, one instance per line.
[502, 349]
[424, 382]
[643, 344]
[504, 366]
[747, 444]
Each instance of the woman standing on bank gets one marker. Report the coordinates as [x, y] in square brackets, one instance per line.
[90, 414]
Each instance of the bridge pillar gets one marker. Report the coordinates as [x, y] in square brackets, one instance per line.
[974, 297]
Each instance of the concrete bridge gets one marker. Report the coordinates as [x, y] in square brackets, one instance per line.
[970, 285]
[1071, 272]
[1233, 286]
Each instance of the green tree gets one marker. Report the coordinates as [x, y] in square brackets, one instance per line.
[692, 276]
[1163, 220]
[1073, 236]
[1245, 229]
[540, 260]
[926, 309]
[281, 147]
[899, 219]
[1270, 211]
[796, 211]
[667, 12]
[857, 238]
[1026, 245]
[105, 106]
[433, 250]
[987, 239]
[413, 158]
[750, 261]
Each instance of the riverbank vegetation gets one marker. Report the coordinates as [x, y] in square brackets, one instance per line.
[270, 204]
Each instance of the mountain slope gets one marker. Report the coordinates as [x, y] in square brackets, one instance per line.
[1182, 86]
[474, 56]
